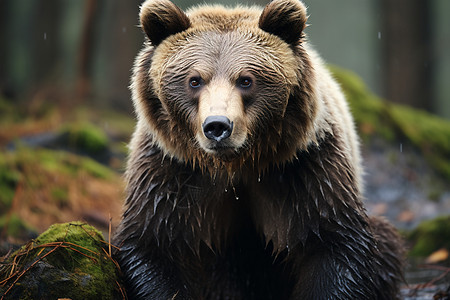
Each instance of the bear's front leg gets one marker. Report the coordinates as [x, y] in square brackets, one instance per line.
[341, 271]
[148, 274]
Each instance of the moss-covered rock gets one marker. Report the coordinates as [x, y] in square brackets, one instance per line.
[68, 260]
[430, 236]
[86, 137]
[367, 109]
[374, 116]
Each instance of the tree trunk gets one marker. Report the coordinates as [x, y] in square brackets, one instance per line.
[407, 52]
[86, 51]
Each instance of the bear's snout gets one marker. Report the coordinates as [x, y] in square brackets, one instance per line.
[217, 128]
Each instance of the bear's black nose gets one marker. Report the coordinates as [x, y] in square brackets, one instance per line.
[217, 128]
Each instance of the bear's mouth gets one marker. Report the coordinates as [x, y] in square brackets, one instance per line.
[222, 151]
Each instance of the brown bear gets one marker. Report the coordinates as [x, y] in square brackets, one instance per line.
[244, 177]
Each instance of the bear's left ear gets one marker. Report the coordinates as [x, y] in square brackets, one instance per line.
[285, 19]
[161, 18]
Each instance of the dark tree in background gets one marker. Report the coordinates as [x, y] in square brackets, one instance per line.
[86, 50]
[407, 52]
[68, 52]
[3, 88]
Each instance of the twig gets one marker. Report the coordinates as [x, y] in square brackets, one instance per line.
[124, 297]
[109, 244]
[445, 270]
[434, 267]
[112, 259]
[109, 236]
[27, 269]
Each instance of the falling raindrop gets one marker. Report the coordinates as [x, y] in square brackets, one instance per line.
[379, 35]
[124, 29]
[226, 190]
[236, 197]
[45, 36]
[401, 147]
[259, 178]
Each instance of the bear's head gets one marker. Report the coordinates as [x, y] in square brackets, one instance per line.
[225, 87]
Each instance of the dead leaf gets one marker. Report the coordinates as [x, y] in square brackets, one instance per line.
[379, 209]
[406, 216]
[437, 256]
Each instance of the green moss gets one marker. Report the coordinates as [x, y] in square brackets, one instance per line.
[435, 194]
[8, 183]
[60, 195]
[64, 163]
[86, 137]
[368, 111]
[50, 161]
[73, 262]
[428, 132]
[430, 236]
[373, 116]
[8, 111]
[95, 169]
[5, 106]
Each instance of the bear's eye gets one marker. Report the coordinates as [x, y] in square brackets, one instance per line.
[245, 82]
[195, 82]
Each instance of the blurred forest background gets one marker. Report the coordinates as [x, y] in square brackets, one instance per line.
[57, 48]
[66, 113]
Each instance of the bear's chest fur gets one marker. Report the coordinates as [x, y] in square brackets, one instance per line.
[187, 206]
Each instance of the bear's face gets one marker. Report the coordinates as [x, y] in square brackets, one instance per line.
[222, 89]
[220, 80]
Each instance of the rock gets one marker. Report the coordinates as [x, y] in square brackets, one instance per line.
[430, 236]
[68, 260]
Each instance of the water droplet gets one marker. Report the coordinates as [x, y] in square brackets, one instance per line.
[45, 35]
[379, 35]
[259, 178]
[236, 197]
[226, 190]
[124, 29]
[401, 147]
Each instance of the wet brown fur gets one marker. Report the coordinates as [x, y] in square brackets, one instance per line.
[287, 200]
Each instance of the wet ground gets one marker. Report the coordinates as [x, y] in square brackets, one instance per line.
[402, 187]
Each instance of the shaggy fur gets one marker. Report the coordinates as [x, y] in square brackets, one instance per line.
[274, 211]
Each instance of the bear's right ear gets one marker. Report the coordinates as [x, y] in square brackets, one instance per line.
[162, 18]
[285, 19]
